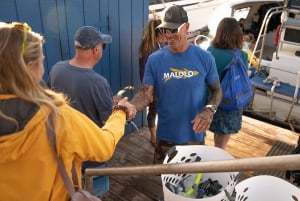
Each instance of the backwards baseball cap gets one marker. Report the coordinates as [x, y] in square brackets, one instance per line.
[174, 16]
[87, 37]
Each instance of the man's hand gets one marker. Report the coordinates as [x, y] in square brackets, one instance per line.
[131, 108]
[116, 99]
[203, 120]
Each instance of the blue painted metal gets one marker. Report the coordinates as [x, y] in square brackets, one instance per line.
[57, 21]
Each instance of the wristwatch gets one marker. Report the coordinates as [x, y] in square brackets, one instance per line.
[213, 108]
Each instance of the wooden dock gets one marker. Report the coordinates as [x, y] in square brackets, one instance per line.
[255, 139]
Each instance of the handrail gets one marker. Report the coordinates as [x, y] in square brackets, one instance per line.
[263, 32]
[294, 100]
[284, 162]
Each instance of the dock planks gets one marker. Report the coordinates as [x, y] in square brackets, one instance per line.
[255, 139]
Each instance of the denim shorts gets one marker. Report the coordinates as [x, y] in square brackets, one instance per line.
[226, 122]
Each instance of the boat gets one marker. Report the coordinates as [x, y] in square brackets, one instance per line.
[276, 80]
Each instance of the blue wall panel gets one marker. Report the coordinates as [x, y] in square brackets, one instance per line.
[8, 11]
[74, 16]
[62, 31]
[137, 26]
[115, 49]
[125, 41]
[57, 21]
[50, 30]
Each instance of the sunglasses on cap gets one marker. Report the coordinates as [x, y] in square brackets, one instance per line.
[172, 31]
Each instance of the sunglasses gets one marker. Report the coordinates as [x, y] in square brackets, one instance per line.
[166, 30]
[172, 31]
[23, 27]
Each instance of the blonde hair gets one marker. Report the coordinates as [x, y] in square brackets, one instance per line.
[18, 47]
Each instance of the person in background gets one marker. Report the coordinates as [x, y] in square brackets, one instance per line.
[248, 47]
[28, 169]
[248, 41]
[242, 24]
[88, 91]
[178, 76]
[152, 40]
[229, 37]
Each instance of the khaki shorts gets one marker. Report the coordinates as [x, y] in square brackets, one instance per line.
[162, 147]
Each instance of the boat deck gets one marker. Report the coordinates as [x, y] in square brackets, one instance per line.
[255, 139]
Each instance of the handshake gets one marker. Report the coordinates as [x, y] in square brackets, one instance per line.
[120, 103]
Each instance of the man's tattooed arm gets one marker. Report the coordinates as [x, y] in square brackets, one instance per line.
[143, 97]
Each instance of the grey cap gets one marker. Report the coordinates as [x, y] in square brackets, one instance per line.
[174, 16]
[87, 37]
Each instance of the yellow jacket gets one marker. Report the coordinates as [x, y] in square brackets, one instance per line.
[254, 62]
[28, 169]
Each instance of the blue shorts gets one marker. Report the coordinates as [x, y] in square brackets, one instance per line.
[226, 122]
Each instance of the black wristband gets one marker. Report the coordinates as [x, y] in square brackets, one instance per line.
[123, 108]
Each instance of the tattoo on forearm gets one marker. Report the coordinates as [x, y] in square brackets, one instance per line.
[143, 97]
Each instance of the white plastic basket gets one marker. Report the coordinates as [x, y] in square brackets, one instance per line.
[188, 153]
[266, 188]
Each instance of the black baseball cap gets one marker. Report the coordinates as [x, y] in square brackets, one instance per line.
[174, 17]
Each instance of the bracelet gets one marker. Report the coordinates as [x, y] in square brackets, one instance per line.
[123, 108]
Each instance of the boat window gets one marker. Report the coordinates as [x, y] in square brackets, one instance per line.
[241, 13]
[294, 4]
[292, 35]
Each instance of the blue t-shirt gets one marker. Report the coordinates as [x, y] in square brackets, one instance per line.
[180, 81]
[88, 91]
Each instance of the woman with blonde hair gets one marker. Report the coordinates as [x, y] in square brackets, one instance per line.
[28, 169]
